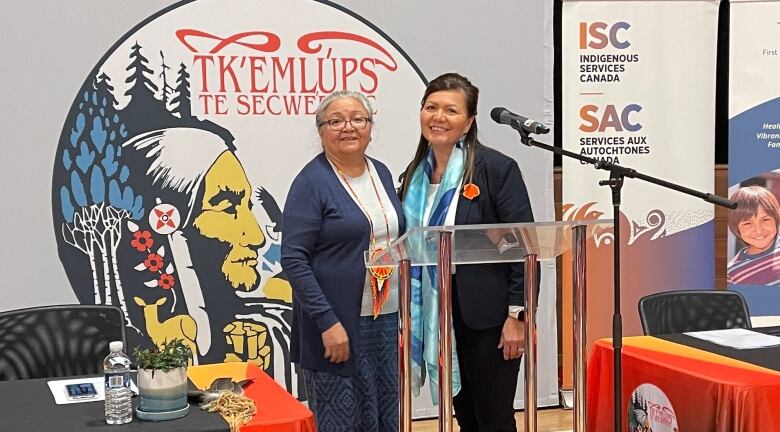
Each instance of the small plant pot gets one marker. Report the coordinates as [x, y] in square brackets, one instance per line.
[161, 391]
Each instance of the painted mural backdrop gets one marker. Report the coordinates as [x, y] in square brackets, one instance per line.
[754, 158]
[177, 153]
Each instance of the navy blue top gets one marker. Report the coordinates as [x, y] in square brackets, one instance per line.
[486, 290]
[324, 235]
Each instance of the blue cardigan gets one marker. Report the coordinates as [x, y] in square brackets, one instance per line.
[324, 235]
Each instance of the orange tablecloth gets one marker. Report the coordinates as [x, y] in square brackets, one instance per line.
[706, 392]
[277, 410]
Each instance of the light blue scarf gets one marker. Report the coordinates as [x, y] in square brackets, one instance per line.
[425, 291]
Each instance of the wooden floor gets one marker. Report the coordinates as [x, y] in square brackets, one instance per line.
[548, 420]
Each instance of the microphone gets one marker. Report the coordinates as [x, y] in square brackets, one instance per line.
[520, 123]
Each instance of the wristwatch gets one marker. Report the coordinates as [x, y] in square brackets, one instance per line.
[515, 311]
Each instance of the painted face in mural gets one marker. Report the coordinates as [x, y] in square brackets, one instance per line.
[758, 232]
[444, 117]
[347, 139]
[227, 217]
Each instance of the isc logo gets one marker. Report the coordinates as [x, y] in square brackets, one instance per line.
[612, 117]
[599, 35]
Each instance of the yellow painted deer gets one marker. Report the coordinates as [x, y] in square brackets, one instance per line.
[176, 327]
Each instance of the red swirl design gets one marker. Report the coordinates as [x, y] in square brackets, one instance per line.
[310, 44]
[271, 43]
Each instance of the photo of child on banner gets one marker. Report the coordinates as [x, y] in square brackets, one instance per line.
[754, 250]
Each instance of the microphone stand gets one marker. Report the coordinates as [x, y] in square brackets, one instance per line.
[617, 174]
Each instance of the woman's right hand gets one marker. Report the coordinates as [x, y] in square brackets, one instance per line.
[336, 343]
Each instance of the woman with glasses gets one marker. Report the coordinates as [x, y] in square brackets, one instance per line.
[455, 180]
[344, 326]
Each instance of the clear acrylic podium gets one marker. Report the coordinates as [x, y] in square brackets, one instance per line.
[479, 244]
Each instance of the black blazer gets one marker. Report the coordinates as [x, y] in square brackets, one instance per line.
[485, 291]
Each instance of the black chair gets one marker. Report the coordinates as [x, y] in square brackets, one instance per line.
[687, 311]
[57, 341]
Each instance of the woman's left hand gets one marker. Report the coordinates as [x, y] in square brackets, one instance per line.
[512, 338]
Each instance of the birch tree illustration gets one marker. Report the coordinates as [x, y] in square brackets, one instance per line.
[94, 197]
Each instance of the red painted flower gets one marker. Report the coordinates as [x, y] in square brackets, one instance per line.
[166, 281]
[142, 240]
[154, 262]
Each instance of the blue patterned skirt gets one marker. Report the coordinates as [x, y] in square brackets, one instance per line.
[367, 401]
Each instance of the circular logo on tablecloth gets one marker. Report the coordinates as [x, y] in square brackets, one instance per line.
[175, 159]
[649, 410]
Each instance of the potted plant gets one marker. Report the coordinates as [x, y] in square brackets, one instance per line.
[162, 380]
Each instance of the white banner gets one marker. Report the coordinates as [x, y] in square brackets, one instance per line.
[639, 91]
[754, 153]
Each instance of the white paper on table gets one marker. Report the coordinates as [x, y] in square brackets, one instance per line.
[737, 338]
[60, 392]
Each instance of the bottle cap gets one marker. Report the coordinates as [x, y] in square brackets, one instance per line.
[116, 346]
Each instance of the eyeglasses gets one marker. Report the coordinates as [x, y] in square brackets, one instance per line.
[340, 124]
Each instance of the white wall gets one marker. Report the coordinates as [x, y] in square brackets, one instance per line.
[49, 47]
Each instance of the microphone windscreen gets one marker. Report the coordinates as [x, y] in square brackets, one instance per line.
[495, 114]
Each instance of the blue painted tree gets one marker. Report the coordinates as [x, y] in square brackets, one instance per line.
[95, 197]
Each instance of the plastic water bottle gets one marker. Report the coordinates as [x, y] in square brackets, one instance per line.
[116, 366]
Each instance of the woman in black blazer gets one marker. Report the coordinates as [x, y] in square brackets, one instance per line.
[455, 180]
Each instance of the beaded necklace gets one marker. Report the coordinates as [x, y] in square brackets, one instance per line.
[378, 276]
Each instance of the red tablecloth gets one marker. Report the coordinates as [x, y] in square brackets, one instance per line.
[277, 410]
[697, 391]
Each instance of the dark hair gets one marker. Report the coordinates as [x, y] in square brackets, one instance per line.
[449, 81]
[748, 200]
